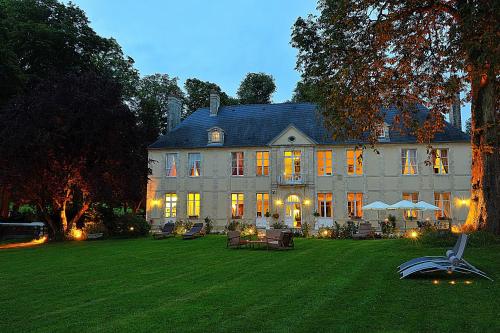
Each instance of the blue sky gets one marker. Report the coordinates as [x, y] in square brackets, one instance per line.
[218, 40]
[212, 40]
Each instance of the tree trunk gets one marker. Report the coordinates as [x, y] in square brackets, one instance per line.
[64, 220]
[484, 212]
[78, 215]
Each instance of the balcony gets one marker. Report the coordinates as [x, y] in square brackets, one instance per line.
[290, 180]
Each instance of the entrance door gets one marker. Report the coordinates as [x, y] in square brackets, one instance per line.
[293, 211]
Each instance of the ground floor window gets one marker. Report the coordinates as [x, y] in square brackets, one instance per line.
[442, 200]
[325, 204]
[354, 204]
[237, 205]
[262, 204]
[193, 205]
[412, 197]
[170, 205]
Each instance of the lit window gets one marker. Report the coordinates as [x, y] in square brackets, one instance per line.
[442, 200]
[408, 161]
[215, 135]
[354, 162]
[170, 205]
[194, 160]
[237, 205]
[237, 163]
[354, 204]
[413, 197]
[171, 165]
[383, 132]
[292, 165]
[262, 163]
[262, 204]
[325, 163]
[440, 161]
[193, 207]
[325, 204]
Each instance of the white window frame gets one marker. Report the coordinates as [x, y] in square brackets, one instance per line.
[219, 132]
[262, 160]
[237, 203]
[262, 204]
[171, 204]
[441, 165]
[235, 159]
[294, 175]
[196, 203]
[355, 164]
[441, 212]
[407, 156]
[355, 205]
[167, 168]
[323, 211]
[406, 212]
[324, 162]
[191, 166]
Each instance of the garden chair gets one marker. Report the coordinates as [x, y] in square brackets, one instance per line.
[166, 231]
[457, 251]
[195, 231]
[234, 239]
[279, 239]
[365, 230]
[451, 264]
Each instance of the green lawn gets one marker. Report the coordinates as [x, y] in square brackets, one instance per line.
[142, 285]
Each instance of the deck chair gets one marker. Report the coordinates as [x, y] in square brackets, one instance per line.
[450, 265]
[195, 231]
[279, 240]
[457, 251]
[365, 230]
[234, 240]
[166, 231]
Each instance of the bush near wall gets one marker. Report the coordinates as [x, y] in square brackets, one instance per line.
[128, 225]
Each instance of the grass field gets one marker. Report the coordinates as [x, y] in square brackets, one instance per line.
[142, 285]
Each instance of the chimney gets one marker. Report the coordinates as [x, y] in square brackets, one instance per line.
[174, 106]
[214, 103]
[455, 114]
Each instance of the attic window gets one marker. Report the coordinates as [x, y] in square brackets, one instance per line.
[215, 135]
[383, 132]
[291, 138]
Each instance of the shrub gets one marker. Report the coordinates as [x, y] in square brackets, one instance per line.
[129, 225]
[438, 238]
[306, 230]
[181, 227]
[389, 225]
[95, 227]
[232, 226]
[209, 225]
[278, 225]
[326, 232]
[276, 216]
[247, 229]
[267, 214]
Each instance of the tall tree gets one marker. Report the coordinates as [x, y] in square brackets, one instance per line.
[365, 54]
[70, 142]
[304, 92]
[151, 104]
[256, 88]
[198, 95]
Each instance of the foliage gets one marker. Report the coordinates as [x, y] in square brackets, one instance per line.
[198, 95]
[256, 88]
[364, 56]
[128, 225]
[468, 127]
[304, 92]
[389, 225]
[83, 143]
[276, 215]
[316, 214]
[247, 229]
[278, 225]
[482, 238]
[306, 229]
[233, 226]
[95, 228]
[181, 227]
[150, 104]
[267, 214]
[209, 225]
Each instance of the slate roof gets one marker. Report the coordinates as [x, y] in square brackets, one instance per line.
[258, 124]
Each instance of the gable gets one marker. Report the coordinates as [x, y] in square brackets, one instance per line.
[291, 136]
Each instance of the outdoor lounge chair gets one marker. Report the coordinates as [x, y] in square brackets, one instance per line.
[365, 230]
[166, 231]
[279, 239]
[195, 231]
[451, 264]
[457, 251]
[234, 239]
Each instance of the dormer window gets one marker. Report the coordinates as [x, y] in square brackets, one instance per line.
[215, 136]
[383, 132]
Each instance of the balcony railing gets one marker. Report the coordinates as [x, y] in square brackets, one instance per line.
[296, 179]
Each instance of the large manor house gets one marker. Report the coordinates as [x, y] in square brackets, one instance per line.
[252, 162]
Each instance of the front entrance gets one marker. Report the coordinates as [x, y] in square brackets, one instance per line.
[293, 211]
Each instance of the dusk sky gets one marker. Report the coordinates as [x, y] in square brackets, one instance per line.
[218, 41]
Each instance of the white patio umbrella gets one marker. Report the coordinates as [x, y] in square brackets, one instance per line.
[404, 204]
[425, 206]
[376, 205]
